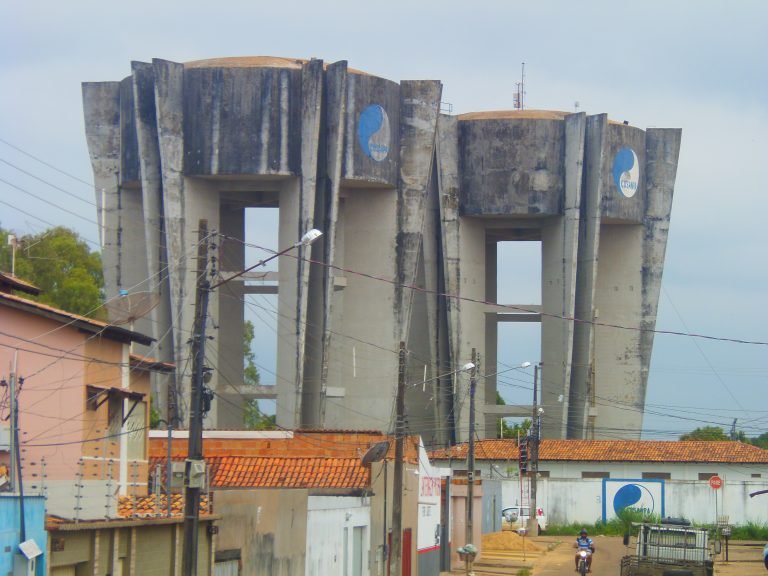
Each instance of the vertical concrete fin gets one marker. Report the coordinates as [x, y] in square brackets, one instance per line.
[559, 255]
[662, 152]
[169, 109]
[101, 109]
[336, 112]
[586, 274]
[448, 183]
[311, 120]
[419, 109]
[154, 223]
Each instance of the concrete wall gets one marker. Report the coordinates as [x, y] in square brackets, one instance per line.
[151, 548]
[269, 527]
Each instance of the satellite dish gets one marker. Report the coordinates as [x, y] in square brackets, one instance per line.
[129, 307]
[375, 453]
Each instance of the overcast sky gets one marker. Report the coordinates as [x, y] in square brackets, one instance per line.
[697, 65]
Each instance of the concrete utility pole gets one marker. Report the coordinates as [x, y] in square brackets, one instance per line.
[194, 470]
[397, 488]
[533, 519]
[470, 509]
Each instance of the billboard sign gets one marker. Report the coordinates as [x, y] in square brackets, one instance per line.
[646, 496]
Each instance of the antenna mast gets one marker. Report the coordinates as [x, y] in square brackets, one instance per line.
[519, 96]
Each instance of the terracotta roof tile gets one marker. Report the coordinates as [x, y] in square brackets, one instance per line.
[614, 451]
[258, 472]
[151, 506]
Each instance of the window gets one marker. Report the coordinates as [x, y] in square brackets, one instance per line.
[706, 475]
[595, 474]
[657, 475]
[758, 475]
[543, 473]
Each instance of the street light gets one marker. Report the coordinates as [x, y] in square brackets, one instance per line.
[306, 240]
[195, 463]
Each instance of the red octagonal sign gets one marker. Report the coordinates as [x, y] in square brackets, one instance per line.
[715, 482]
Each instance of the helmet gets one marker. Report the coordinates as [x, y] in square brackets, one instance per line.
[583, 532]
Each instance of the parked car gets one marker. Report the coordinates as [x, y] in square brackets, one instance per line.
[517, 517]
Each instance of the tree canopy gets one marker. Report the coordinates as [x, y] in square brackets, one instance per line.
[60, 263]
[255, 419]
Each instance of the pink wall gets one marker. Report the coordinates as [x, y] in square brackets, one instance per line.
[53, 417]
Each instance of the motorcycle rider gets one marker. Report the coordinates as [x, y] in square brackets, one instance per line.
[584, 542]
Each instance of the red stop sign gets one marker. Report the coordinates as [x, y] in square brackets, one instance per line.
[715, 482]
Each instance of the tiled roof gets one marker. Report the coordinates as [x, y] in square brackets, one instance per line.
[614, 451]
[9, 282]
[244, 472]
[69, 318]
[151, 506]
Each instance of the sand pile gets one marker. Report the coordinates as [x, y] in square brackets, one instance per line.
[507, 540]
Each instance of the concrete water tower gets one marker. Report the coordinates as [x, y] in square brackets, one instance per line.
[412, 204]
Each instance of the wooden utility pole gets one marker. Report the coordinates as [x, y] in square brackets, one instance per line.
[194, 472]
[397, 488]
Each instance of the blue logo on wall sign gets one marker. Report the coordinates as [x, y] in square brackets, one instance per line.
[373, 132]
[635, 497]
[626, 172]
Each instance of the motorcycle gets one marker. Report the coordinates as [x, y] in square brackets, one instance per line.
[584, 556]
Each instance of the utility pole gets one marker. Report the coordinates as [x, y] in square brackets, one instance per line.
[14, 424]
[397, 489]
[533, 519]
[194, 471]
[470, 509]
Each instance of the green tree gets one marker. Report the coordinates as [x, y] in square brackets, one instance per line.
[706, 433]
[507, 431]
[760, 441]
[62, 265]
[254, 418]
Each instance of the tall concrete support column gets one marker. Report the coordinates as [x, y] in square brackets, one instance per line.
[415, 314]
[311, 120]
[588, 249]
[662, 149]
[419, 108]
[338, 94]
[560, 241]
[489, 358]
[169, 96]
[230, 314]
[101, 108]
[154, 227]
[447, 152]
[472, 289]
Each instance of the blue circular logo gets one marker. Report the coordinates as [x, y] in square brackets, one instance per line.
[635, 497]
[626, 172]
[373, 132]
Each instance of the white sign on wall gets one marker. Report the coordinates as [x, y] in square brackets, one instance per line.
[645, 496]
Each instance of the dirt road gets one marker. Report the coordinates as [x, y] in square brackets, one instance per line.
[744, 558]
[560, 560]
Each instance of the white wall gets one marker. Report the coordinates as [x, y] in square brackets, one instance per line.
[567, 500]
[331, 521]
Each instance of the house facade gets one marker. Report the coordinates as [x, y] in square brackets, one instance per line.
[304, 503]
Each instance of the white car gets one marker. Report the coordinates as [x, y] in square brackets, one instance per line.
[517, 517]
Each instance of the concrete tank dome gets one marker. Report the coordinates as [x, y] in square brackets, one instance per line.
[256, 62]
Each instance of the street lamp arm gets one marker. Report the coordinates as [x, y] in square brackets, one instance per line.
[306, 240]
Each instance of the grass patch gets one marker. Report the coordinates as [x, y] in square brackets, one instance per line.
[618, 527]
